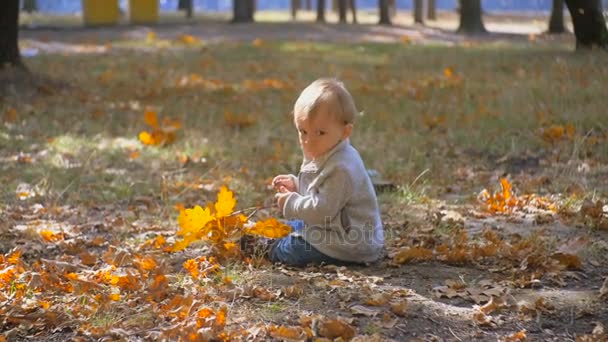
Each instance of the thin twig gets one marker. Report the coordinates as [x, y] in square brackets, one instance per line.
[255, 210]
[458, 338]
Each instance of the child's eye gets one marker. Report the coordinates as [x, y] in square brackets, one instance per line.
[321, 133]
[302, 132]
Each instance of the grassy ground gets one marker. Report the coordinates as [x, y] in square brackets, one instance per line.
[441, 123]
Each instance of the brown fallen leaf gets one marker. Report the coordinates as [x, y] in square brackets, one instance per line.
[388, 322]
[399, 308]
[516, 337]
[378, 299]
[334, 328]
[288, 333]
[482, 319]
[414, 253]
[495, 303]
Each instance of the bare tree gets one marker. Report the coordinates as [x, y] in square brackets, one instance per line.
[9, 34]
[556, 22]
[186, 5]
[353, 7]
[383, 8]
[295, 6]
[342, 4]
[589, 23]
[320, 11]
[243, 11]
[432, 10]
[419, 11]
[30, 6]
[470, 17]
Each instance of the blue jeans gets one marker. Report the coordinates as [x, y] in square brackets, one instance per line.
[293, 250]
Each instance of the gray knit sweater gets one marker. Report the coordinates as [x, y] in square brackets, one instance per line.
[336, 200]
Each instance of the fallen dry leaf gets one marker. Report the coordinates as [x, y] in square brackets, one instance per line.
[334, 328]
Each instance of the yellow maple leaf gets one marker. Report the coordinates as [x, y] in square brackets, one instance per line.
[50, 236]
[193, 220]
[225, 202]
[270, 228]
[146, 138]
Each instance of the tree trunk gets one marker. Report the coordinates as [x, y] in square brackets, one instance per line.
[385, 19]
[470, 17]
[9, 33]
[186, 5]
[30, 6]
[309, 5]
[295, 5]
[419, 11]
[243, 11]
[320, 11]
[342, 4]
[589, 23]
[432, 10]
[353, 8]
[556, 22]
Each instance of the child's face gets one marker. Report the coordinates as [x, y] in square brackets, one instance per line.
[321, 134]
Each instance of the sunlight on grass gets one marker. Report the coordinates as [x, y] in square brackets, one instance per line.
[495, 103]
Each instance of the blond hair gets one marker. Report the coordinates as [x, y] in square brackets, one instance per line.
[329, 94]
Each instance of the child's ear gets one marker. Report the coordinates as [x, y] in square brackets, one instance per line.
[348, 130]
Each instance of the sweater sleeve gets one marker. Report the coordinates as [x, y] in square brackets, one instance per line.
[323, 203]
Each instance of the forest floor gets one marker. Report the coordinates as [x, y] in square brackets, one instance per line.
[88, 211]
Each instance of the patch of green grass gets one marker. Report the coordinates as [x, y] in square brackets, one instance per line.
[503, 98]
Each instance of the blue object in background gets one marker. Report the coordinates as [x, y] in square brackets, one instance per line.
[75, 6]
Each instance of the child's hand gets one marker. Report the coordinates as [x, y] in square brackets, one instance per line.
[281, 196]
[285, 181]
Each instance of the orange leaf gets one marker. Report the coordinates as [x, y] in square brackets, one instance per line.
[288, 333]
[191, 266]
[10, 115]
[516, 337]
[13, 258]
[413, 253]
[50, 236]
[270, 228]
[335, 328]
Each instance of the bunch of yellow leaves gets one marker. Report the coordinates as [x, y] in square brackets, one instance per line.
[505, 201]
[162, 134]
[501, 201]
[221, 226]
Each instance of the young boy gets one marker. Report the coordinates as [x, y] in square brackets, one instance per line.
[332, 197]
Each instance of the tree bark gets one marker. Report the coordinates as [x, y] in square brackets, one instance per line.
[9, 34]
[470, 17]
[30, 6]
[309, 5]
[432, 10]
[353, 8]
[186, 5]
[295, 6]
[556, 21]
[243, 11]
[589, 23]
[385, 18]
[342, 4]
[419, 11]
[320, 11]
